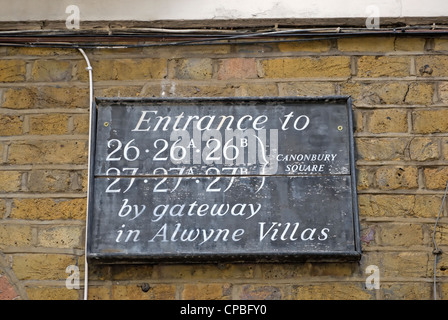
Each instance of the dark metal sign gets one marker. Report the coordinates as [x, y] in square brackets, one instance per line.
[210, 179]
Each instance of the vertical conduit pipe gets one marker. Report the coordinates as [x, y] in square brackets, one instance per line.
[91, 109]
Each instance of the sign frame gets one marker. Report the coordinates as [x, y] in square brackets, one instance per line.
[114, 257]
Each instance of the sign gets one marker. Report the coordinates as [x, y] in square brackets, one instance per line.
[213, 179]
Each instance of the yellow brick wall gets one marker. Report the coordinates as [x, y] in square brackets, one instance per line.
[399, 87]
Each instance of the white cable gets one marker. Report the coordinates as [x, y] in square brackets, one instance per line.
[91, 109]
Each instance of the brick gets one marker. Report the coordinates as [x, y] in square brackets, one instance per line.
[193, 68]
[100, 272]
[424, 149]
[46, 97]
[358, 122]
[164, 89]
[195, 272]
[430, 121]
[254, 48]
[441, 236]
[11, 125]
[383, 66]
[442, 266]
[40, 266]
[260, 292]
[444, 148]
[376, 93]
[7, 290]
[49, 181]
[133, 69]
[12, 70]
[135, 292]
[52, 293]
[403, 291]
[307, 89]
[137, 272]
[28, 51]
[237, 68]
[410, 44]
[405, 263]
[387, 120]
[81, 124]
[432, 65]
[84, 180]
[19, 98]
[367, 234]
[427, 206]
[206, 291]
[99, 292]
[440, 44]
[57, 180]
[102, 70]
[305, 67]
[419, 93]
[367, 44]
[443, 91]
[63, 97]
[15, 235]
[305, 46]
[2, 208]
[119, 52]
[284, 271]
[186, 51]
[333, 291]
[11, 181]
[191, 90]
[386, 205]
[363, 177]
[68, 237]
[48, 152]
[120, 91]
[49, 209]
[253, 89]
[400, 234]
[393, 178]
[377, 149]
[48, 124]
[424, 206]
[122, 69]
[51, 70]
[436, 178]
